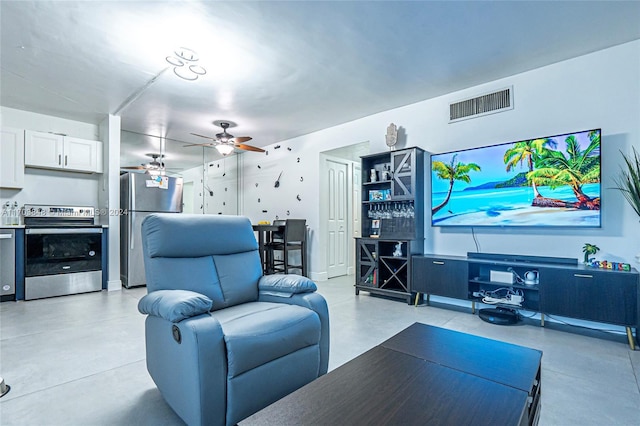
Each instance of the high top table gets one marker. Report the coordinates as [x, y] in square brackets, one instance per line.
[264, 232]
[424, 375]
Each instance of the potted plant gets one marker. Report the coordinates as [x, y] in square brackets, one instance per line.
[628, 181]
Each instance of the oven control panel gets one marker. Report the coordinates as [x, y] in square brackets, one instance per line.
[35, 210]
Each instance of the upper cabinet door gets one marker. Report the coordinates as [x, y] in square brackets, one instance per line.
[43, 150]
[49, 151]
[12, 158]
[403, 185]
[82, 155]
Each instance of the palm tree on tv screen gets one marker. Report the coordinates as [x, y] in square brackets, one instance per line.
[452, 172]
[575, 169]
[527, 151]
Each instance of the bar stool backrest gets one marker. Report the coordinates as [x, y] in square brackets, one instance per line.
[278, 236]
[295, 231]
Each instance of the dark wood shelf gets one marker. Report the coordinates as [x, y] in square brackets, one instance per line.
[534, 287]
[406, 188]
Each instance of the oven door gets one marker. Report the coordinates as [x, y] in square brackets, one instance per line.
[60, 261]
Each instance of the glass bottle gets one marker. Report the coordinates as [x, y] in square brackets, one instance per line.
[5, 214]
[15, 218]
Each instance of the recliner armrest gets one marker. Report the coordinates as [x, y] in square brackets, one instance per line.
[285, 285]
[174, 305]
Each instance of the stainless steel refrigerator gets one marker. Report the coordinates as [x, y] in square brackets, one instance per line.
[141, 195]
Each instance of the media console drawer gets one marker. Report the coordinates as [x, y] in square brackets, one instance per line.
[596, 295]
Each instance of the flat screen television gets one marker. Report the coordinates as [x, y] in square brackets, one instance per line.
[551, 181]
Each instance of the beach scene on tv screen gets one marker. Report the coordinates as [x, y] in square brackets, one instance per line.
[551, 181]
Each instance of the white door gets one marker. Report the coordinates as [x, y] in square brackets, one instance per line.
[42, 149]
[187, 198]
[82, 154]
[11, 158]
[357, 200]
[337, 224]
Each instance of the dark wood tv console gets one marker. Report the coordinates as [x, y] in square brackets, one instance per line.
[564, 287]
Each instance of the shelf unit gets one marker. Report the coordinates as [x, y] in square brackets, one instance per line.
[564, 287]
[392, 221]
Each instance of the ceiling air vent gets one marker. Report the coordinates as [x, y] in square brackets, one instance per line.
[490, 103]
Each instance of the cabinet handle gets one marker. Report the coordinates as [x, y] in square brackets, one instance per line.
[59, 159]
[438, 262]
[582, 276]
[65, 160]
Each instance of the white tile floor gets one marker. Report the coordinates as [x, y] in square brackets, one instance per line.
[79, 360]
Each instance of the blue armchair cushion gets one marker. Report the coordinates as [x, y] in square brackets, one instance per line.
[285, 285]
[260, 332]
[174, 305]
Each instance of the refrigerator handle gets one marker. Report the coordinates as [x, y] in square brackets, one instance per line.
[132, 200]
[132, 216]
[132, 203]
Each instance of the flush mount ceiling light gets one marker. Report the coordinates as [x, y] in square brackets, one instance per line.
[184, 64]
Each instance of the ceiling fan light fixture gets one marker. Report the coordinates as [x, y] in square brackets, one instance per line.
[224, 149]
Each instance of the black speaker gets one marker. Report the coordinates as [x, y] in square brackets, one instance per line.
[500, 316]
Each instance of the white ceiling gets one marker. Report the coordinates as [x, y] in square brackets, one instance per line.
[277, 69]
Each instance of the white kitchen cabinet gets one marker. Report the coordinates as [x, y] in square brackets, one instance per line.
[50, 151]
[11, 158]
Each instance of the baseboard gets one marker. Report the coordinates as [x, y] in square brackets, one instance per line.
[318, 276]
[114, 285]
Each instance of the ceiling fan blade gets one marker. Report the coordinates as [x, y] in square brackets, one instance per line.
[199, 144]
[202, 136]
[241, 139]
[248, 147]
[133, 167]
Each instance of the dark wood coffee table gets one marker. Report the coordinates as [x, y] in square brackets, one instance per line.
[422, 375]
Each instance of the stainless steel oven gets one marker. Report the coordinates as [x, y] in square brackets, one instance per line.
[63, 251]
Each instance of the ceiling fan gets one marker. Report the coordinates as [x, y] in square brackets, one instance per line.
[152, 167]
[225, 142]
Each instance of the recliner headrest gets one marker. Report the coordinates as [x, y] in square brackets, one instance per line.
[196, 235]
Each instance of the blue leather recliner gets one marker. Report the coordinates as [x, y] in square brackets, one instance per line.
[222, 340]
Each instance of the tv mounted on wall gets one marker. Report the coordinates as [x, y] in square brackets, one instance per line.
[551, 181]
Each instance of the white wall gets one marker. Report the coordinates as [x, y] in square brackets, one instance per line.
[48, 186]
[601, 89]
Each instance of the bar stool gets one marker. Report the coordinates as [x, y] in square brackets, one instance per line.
[294, 239]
